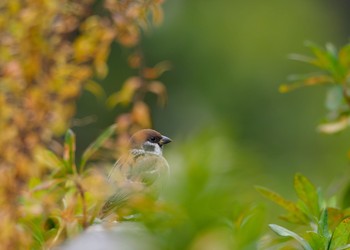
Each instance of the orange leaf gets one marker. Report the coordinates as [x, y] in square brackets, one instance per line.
[159, 89]
[141, 114]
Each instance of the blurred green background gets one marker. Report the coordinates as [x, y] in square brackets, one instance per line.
[229, 58]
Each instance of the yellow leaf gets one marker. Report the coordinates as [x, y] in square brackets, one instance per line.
[124, 96]
[159, 89]
[95, 88]
[141, 114]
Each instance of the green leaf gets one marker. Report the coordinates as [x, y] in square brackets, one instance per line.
[339, 72]
[322, 228]
[307, 193]
[344, 247]
[303, 58]
[34, 226]
[249, 225]
[332, 50]
[321, 55]
[341, 234]
[50, 159]
[316, 241]
[346, 197]
[296, 213]
[334, 98]
[45, 185]
[281, 231]
[93, 147]
[328, 60]
[69, 151]
[344, 56]
[304, 77]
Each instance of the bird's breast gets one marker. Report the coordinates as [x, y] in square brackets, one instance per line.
[148, 168]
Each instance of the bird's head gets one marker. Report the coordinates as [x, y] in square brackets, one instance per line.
[149, 141]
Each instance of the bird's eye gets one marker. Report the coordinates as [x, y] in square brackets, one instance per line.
[152, 139]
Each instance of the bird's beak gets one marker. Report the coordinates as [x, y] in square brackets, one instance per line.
[164, 140]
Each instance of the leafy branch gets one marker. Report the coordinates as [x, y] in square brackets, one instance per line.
[334, 66]
[66, 183]
[328, 227]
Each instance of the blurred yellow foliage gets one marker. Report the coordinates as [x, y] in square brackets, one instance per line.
[49, 50]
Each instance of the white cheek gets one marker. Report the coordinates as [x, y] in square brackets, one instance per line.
[158, 150]
[152, 148]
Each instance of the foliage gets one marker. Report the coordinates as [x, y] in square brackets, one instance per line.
[334, 69]
[200, 208]
[212, 212]
[66, 200]
[49, 51]
[328, 226]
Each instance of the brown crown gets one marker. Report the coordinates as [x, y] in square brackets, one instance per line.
[144, 135]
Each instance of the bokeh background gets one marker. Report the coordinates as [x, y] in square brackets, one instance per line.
[232, 129]
[228, 59]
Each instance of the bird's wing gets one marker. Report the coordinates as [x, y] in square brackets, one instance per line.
[120, 197]
[118, 172]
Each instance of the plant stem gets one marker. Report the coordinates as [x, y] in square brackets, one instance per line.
[83, 201]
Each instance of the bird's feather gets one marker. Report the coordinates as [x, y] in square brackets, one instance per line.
[141, 172]
[130, 176]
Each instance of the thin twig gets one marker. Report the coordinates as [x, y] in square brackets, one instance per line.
[83, 201]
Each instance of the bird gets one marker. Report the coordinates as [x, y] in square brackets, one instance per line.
[142, 171]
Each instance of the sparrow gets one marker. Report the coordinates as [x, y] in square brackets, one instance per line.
[142, 171]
